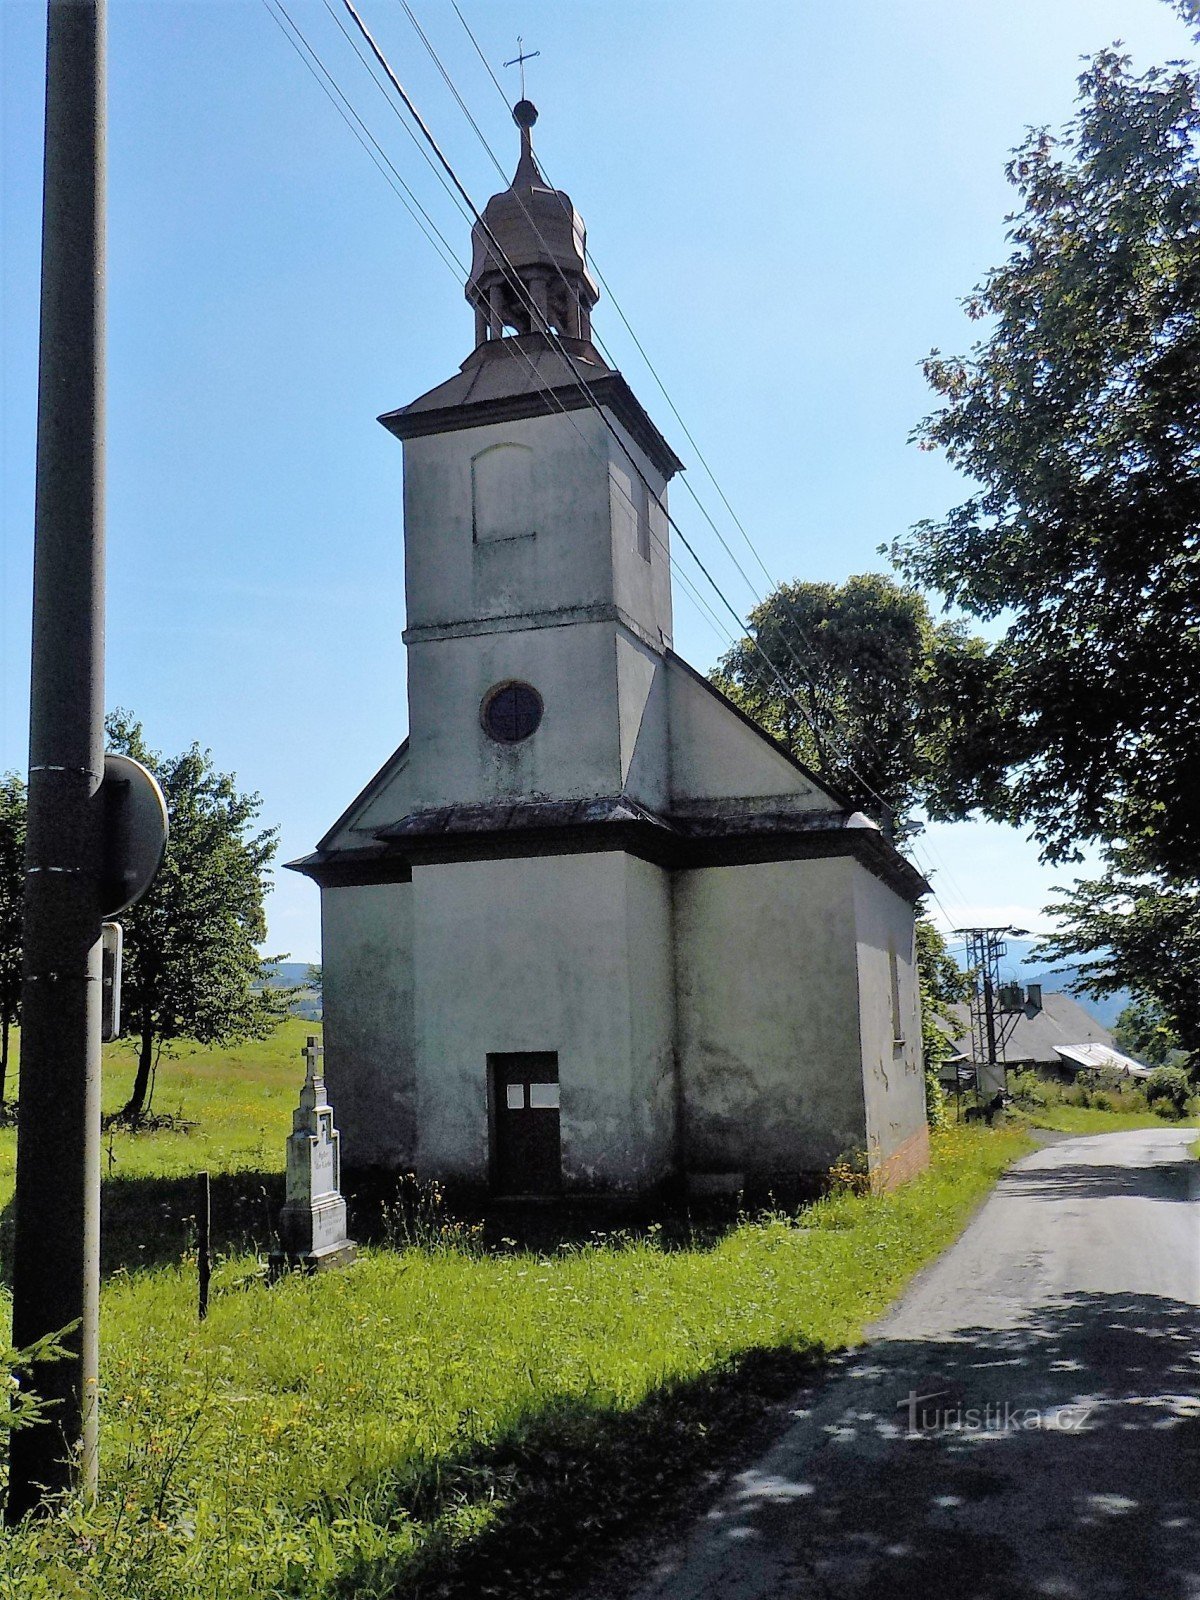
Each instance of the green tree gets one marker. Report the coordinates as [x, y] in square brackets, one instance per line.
[1144, 1030]
[1077, 417]
[12, 899]
[943, 985]
[877, 698]
[191, 966]
[1135, 930]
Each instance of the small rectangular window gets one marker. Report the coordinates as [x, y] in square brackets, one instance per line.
[543, 1096]
[894, 974]
[642, 501]
[515, 1096]
[631, 508]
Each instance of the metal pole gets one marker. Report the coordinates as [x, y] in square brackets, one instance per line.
[56, 1256]
[204, 1239]
[989, 1011]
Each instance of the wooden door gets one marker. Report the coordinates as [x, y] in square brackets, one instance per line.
[526, 1143]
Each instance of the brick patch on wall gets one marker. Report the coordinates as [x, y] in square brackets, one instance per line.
[905, 1161]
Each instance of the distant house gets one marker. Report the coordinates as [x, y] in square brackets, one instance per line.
[1058, 1041]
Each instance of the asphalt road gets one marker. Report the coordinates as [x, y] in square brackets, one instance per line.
[1025, 1422]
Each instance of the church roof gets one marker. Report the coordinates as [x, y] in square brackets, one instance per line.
[612, 822]
[530, 376]
[529, 226]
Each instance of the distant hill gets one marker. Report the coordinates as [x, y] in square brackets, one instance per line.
[1019, 966]
[288, 974]
[294, 975]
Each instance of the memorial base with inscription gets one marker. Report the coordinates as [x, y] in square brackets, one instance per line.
[312, 1223]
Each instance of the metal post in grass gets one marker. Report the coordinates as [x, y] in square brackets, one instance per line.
[56, 1252]
[204, 1239]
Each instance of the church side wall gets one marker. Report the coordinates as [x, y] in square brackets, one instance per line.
[715, 757]
[768, 1018]
[366, 955]
[890, 1020]
[642, 713]
[650, 941]
[534, 955]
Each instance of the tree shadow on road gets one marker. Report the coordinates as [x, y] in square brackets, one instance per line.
[1058, 1458]
[1168, 1180]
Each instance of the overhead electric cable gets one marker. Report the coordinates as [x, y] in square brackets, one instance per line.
[617, 307]
[362, 133]
[552, 334]
[308, 55]
[838, 728]
[520, 290]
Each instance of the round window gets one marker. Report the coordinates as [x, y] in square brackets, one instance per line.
[511, 712]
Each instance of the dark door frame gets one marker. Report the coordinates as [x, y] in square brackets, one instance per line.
[499, 1065]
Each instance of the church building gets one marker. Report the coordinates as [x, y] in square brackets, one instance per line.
[589, 930]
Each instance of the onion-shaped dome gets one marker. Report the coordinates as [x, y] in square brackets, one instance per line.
[528, 260]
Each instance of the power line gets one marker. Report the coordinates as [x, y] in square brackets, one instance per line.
[617, 307]
[327, 83]
[377, 154]
[519, 290]
[552, 333]
[838, 728]
[535, 316]
[837, 725]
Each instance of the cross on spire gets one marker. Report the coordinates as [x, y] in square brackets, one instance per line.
[520, 59]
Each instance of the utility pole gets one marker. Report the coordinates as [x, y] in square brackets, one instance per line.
[56, 1261]
[992, 1020]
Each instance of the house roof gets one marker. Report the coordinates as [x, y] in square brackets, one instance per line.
[1093, 1056]
[1036, 1036]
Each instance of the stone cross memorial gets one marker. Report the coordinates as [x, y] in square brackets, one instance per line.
[312, 1224]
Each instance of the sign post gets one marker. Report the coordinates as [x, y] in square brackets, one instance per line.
[56, 1251]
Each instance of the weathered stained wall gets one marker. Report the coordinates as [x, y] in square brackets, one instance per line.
[576, 751]
[524, 560]
[767, 1004]
[562, 561]
[566, 953]
[366, 946]
[534, 518]
[715, 756]
[889, 1012]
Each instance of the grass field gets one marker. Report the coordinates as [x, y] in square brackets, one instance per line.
[436, 1419]
[1086, 1119]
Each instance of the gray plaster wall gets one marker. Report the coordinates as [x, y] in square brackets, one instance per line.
[562, 561]
[366, 946]
[554, 953]
[892, 1068]
[654, 1086]
[386, 798]
[642, 710]
[576, 752]
[641, 581]
[532, 517]
[715, 756]
[768, 1022]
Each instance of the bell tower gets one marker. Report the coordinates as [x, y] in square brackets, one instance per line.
[529, 269]
[537, 566]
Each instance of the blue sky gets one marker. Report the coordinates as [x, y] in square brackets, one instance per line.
[789, 201]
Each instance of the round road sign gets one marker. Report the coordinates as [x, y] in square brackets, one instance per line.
[135, 832]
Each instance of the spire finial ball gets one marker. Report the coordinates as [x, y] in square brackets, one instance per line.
[525, 114]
